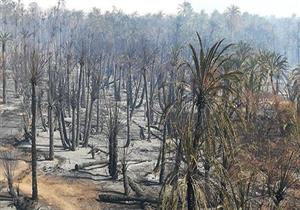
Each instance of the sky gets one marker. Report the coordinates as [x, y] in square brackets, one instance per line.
[279, 8]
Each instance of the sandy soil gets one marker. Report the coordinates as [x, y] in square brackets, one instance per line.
[56, 191]
[60, 186]
[64, 194]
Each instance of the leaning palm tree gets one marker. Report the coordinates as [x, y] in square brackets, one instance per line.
[4, 38]
[207, 135]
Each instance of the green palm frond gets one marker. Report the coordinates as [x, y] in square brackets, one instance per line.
[203, 124]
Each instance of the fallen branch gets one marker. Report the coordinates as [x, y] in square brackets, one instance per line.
[139, 192]
[156, 136]
[84, 165]
[135, 162]
[96, 149]
[135, 187]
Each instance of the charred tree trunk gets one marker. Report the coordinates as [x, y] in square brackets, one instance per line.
[113, 156]
[128, 115]
[113, 144]
[89, 122]
[129, 87]
[40, 99]
[177, 160]
[50, 114]
[190, 194]
[60, 127]
[73, 106]
[94, 95]
[73, 129]
[116, 85]
[16, 85]
[87, 119]
[83, 99]
[298, 106]
[98, 116]
[4, 72]
[124, 172]
[163, 156]
[63, 124]
[134, 103]
[147, 105]
[51, 133]
[68, 85]
[33, 146]
[151, 103]
[78, 102]
[51, 130]
[125, 180]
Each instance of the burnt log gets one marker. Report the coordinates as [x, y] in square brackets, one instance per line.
[117, 198]
[84, 165]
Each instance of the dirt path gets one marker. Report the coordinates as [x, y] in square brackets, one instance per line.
[55, 191]
[64, 194]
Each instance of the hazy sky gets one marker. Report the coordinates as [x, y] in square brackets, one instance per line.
[262, 7]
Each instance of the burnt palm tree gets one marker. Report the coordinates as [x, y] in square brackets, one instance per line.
[36, 66]
[4, 38]
[113, 130]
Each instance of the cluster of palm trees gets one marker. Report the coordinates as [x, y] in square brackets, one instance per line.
[218, 98]
[209, 100]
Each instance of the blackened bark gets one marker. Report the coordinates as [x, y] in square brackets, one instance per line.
[40, 99]
[73, 129]
[88, 126]
[63, 124]
[50, 114]
[113, 144]
[98, 116]
[83, 102]
[68, 85]
[163, 155]
[117, 94]
[51, 130]
[113, 156]
[33, 145]
[190, 194]
[60, 127]
[87, 119]
[4, 72]
[147, 105]
[78, 102]
[128, 115]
